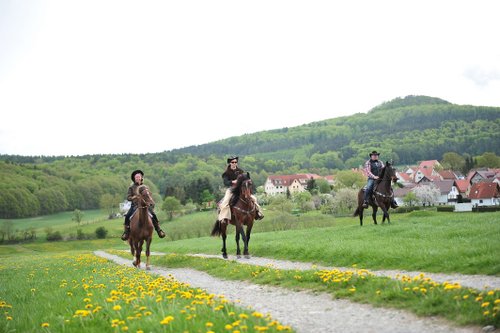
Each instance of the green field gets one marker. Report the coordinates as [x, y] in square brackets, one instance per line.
[426, 241]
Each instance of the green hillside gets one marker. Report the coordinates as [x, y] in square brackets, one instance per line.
[406, 130]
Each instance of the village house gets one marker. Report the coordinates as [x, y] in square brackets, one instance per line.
[280, 184]
[485, 194]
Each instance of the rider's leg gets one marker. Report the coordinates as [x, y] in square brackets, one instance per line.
[368, 192]
[126, 224]
[156, 224]
[225, 210]
[258, 210]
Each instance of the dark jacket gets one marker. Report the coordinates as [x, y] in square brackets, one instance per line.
[229, 175]
[132, 190]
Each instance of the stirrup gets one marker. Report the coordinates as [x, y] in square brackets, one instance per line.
[259, 215]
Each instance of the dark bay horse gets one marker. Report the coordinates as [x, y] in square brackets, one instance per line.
[382, 195]
[141, 226]
[242, 213]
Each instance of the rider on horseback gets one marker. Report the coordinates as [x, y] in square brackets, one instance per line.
[229, 177]
[373, 167]
[137, 178]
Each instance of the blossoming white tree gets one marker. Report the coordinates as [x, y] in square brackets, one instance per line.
[427, 194]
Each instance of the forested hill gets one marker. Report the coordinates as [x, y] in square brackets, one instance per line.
[406, 130]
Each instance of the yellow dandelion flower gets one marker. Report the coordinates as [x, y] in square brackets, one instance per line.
[117, 307]
[485, 313]
[209, 324]
[9, 318]
[485, 304]
[228, 327]
[243, 316]
[167, 320]
[257, 315]
[465, 296]
[45, 325]
[497, 301]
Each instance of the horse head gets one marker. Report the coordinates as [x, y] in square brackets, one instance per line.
[145, 197]
[243, 187]
[391, 171]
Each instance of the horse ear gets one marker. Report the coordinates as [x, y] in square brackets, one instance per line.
[248, 175]
[388, 162]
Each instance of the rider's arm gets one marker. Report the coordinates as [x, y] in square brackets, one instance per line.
[368, 170]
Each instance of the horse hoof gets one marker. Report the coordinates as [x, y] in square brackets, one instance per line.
[238, 256]
[247, 256]
[134, 263]
[148, 268]
[224, 256]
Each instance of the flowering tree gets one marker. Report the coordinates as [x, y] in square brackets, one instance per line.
[427, 194]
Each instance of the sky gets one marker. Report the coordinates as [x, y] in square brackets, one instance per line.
[114, 77]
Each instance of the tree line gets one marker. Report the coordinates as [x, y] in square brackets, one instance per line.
[405, 130]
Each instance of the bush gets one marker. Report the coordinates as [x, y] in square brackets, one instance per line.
[101, 232]
[446, 208]
[54, 236]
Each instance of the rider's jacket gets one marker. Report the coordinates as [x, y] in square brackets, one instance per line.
[229, 175]
[373, 168]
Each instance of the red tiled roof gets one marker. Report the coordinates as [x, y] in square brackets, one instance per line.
[428, 164]
[484, 190]
[447, 174]
[462, 185]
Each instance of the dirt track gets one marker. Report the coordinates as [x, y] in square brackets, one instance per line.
[305, 311]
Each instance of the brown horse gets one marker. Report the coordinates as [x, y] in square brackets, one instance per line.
[382, 195]
[242, 213]
[141, 226]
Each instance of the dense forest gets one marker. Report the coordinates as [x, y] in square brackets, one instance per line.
[406, 130]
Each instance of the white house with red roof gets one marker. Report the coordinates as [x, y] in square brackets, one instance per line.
[279, 184]
[428, 169]
[485, 194]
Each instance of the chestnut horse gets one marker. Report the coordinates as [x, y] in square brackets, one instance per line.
[141, 226]
[242, 213]
[382, 195]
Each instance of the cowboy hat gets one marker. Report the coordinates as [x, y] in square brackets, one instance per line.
[374, 153]
[232, 157]
[132, 176]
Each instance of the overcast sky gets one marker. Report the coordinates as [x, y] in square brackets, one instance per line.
[99, 77]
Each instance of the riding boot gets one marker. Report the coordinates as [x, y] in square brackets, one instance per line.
[126, 227]
[394, 204]
[156, 224]
[259, 215]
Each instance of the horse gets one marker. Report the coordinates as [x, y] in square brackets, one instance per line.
[243, 211]
[382, 195]
[141, 226]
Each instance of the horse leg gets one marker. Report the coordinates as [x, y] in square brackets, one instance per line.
[138, 254]
[361, 209]
[239, 231]
[223, 232]
[148, 244]
[245, 250]
[374, 214]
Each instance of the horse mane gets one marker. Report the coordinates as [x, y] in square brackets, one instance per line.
[236, 190]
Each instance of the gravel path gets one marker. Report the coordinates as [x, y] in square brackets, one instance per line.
[305, 311]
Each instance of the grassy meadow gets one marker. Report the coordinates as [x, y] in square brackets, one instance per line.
[426, 241]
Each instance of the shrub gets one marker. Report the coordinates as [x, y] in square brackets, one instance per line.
[54, 236]
[101, 232]
[446, 208]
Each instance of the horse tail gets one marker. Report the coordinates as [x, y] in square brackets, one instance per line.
[216, 231]
[356, 212]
